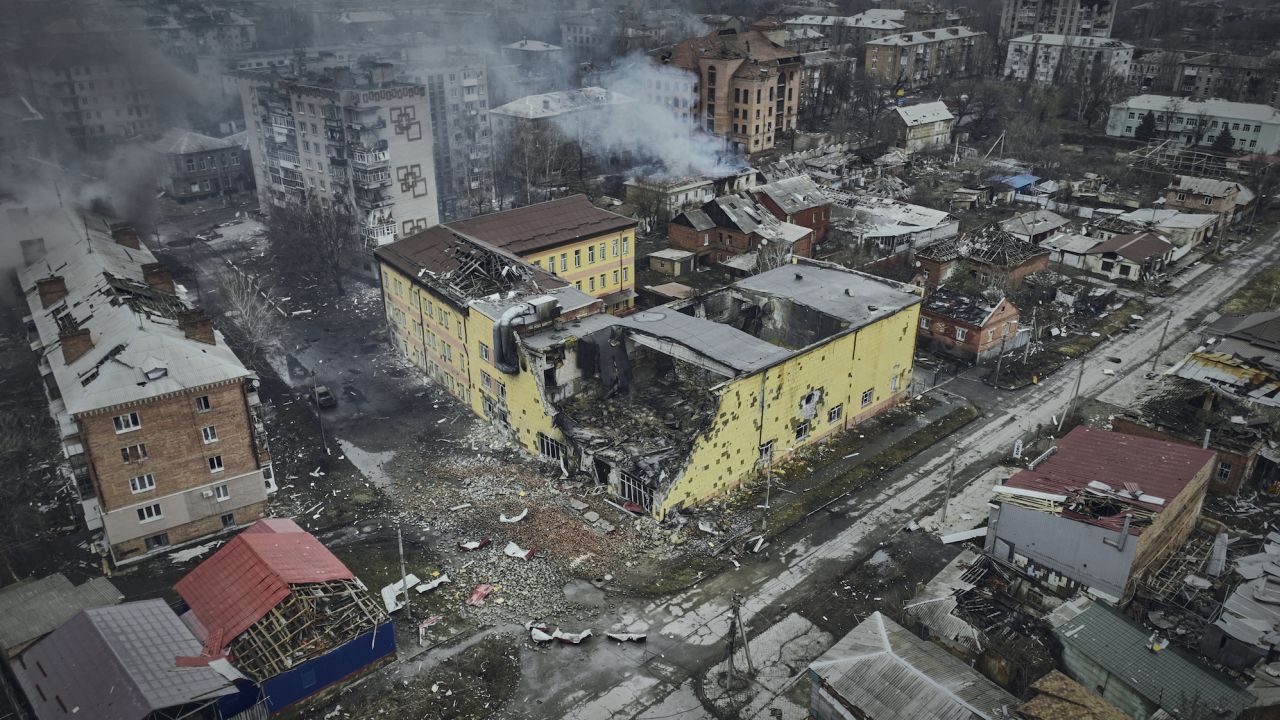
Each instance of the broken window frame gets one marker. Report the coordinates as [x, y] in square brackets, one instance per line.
[836, 413]
[868, 396]
[631, 488]
[802, 430]
[134, 453]
[127, 422]
[1223, 472]
[203, 404]
[552, 449]
[766, 450]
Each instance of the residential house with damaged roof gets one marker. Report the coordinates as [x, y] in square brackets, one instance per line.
[291, 619]
[1035, 226]
[918, 128]
[797, 200]
[666, 407]
[971, 327]
[1223, 198]
[737, 226]
[1138, 258]
[1104, 509]
[992, 256]
[160, 421]
[33, 608]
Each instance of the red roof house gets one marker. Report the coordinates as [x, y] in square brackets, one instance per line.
[1102, 511]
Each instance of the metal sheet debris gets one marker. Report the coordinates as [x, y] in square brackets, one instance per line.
[571, 638]
[627, 637]
[515, 519]
[470, 545]
[478, 595]
[515, 551]
[964, 535]
[432, 584]
[393, 595]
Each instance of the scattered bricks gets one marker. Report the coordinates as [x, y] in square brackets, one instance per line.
[591, 516]
[577, 504]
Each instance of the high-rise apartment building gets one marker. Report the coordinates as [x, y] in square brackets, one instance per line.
[919, 58]
[360, 137]
[462, 140]
[1060, 17]
[1052, 59]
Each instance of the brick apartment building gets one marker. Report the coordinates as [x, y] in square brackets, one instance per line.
[196, 166]
[1204, 195]
[734, 225]
[920, 58]
[159, 419]
[748, 89]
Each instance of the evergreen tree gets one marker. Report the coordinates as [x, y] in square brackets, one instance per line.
[1146, 127]
[1225, 142]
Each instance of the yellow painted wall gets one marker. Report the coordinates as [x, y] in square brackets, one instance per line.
[429, 332]
[594, 273]
[876, 358]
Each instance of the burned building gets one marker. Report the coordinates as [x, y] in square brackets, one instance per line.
[991, 255]
[665, 407]
[680, 403]
[971, 327]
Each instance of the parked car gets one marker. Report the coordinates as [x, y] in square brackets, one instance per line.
[324, 397]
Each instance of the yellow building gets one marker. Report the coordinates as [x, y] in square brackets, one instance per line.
[591, 248]
[668, 406]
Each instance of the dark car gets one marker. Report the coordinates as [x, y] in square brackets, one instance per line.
[325, 398]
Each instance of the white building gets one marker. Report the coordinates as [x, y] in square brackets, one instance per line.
[362, 138]
[1067, 17]
[1256, 128]
[1060, 58]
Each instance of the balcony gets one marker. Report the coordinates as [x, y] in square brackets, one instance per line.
[370, 159]
[289, 159]
[280, 121]
[380, 234]
[371, 178]
[373, 201]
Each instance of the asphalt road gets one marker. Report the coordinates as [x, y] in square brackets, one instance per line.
[685, 631]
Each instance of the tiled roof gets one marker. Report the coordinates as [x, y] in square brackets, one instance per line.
[543, 225]
[248, 576]
[1157, 467]
[117, 663]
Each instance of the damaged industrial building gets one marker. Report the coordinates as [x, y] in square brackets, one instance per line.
[666, 407]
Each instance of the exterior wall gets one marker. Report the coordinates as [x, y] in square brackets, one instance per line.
[1096, 678]
[197, 175]
[199, 527]
[920, 138]
[177, 458]
[765, 407]
[1062, 17]
[1078, 58]
[814, 218]
[611, 271]
[429, 331]
[674, 268]
[1074, 549]
[1113, 268]
[682, 237]
[458, 98]
[1229, 471]
[1179, 120]
[1001, 327]
[1172, 526]
[921, 63]
[96, 104]
[743, 110]
[1223, 207]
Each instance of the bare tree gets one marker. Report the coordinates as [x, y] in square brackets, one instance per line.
[255, 320]
[771, 255]
[317, 237]
[28, 461]
[867, 106]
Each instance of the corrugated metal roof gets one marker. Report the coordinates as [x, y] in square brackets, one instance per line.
[32, 608]
[1204, 186]
[116, 663]
[248, 576]
[795, 194]
[924, 113]
[1157, 467]
[543, 225]
[890, 674]
[1177, 684]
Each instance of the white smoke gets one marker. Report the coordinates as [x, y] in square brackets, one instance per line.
[660, 130]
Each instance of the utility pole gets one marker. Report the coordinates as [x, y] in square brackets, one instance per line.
[768, 483]
[1160, 346]
[951, 472]
[995, 383]
[1027, 353]
[1074, 394]
[315, 398]
[404, 586]
[742, 630]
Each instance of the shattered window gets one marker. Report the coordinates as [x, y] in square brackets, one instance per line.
[868, 396]
[766, 450]
[802, 430]
[835, 413]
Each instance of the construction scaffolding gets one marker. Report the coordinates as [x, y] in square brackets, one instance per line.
[1164, 157]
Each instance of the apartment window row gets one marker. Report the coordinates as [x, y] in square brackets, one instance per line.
[126, 423]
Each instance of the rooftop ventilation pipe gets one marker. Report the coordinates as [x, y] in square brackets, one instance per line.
[504, 340]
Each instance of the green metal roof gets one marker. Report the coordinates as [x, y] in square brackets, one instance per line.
[31, 609]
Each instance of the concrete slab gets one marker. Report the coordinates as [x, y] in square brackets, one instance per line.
[591, 516]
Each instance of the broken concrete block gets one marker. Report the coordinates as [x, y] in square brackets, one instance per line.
[577, 504]
[605, 526]
[591, 516]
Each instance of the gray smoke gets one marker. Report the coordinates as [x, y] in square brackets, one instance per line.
[652, 130]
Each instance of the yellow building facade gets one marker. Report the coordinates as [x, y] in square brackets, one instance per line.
[666, 407]
[590, 248]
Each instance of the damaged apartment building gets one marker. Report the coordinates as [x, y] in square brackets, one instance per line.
[666, 407]
[160, 422]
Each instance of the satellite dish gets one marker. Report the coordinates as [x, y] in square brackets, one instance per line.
[964, 98]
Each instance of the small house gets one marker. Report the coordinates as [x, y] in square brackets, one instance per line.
[970, 327]
[673, 262]
[919, 128]
[1137, 257]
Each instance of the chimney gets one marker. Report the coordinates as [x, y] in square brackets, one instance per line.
[197, 326]
[126, 235]
[75, 343]
[51, 289]
[159, 278]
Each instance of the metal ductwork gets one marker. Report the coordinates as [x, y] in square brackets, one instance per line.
[504, 338]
